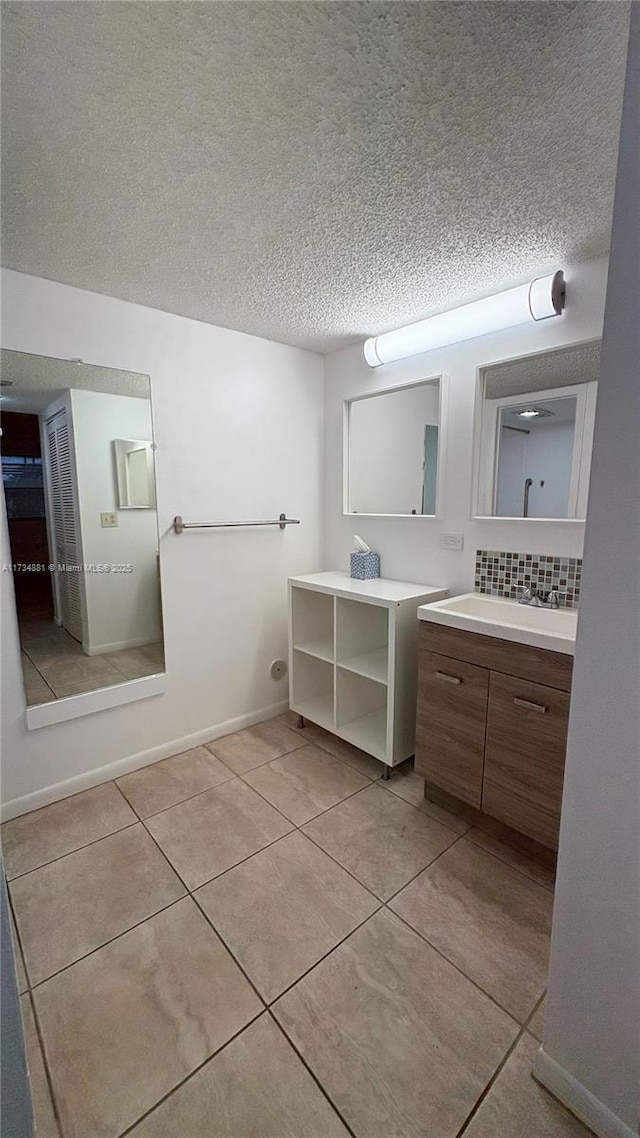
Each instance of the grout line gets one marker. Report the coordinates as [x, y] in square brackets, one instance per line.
[18, 941]
[45, 1064]
[498, 1071]
[315, 1078]
[189, 797]
[94, 842]
[230, 951]
[191, 1074]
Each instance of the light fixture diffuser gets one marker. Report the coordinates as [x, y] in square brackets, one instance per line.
[540, 299]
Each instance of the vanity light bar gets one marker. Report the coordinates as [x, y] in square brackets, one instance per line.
[538, 300]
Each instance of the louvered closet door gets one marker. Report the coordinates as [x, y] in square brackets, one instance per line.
[64, 518]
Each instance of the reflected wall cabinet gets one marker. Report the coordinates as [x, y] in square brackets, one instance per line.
[353, 658]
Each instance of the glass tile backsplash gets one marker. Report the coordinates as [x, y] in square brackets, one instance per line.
[506, 574]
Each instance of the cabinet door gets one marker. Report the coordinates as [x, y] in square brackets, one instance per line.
[524, 758]
[452, 709]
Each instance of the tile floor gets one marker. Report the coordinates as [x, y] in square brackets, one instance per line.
[54, 665]
[259, 939]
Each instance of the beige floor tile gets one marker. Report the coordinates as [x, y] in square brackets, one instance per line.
[136, 662]
[537, 1022]
[491, 921]
[305, 782]
[21, 976]
[208, 834]
[164, 784]
[35, 688]
[43, 1113]
[401, 1042]
[126, 1024]
[353, 756]
[408, 785]
[540, 873]
[518, 1107]
[42, 835]
[255, 1088]
[73, 905]
[310, 733]
[247, 749]
[71, 677]
[282, 910]
[383, 841]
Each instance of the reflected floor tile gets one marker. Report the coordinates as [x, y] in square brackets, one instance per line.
[488, 919]
[36, 689]
[305, 783]
[282, 910]
[39, 837]
[126, 1024]
[537, 1022]
[247, 749]
[384, 842]
[214, 831]
[408, 785]
[518, 1107]
[73, 905]
[400, 1041]
[72, 677]
[163, 784]
[533, 869]
[137, 662]
[43, 1112]
[255, 1088]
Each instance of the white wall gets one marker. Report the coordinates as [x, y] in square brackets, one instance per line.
[544, 454]
[409, 547]
[387, 449]
[123, 609]
[238, 425]
[591, 1051]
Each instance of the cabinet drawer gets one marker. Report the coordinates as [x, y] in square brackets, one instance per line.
[524, 757]
[452, 709]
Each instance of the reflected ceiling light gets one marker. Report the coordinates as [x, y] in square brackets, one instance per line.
[538, 300]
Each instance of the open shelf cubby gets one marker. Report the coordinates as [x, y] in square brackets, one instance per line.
[312, 619]
[361, 711]
[312, 689]
[362, 639]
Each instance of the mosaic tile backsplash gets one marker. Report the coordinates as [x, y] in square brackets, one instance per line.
[504, 574]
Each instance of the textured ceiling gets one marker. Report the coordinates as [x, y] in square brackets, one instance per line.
[545, 370]
[30, 383]
[310, 172]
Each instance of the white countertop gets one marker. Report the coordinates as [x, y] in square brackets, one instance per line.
[380, 588]
[553, 629]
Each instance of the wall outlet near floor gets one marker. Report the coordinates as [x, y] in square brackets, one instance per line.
[451, 540]
[108, 520]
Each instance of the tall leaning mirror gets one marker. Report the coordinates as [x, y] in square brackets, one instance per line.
[534, 434]
[393, 450]
[79, 485]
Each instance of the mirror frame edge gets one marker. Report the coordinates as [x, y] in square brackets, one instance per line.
[444, 384]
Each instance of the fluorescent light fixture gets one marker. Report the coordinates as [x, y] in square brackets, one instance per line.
[538, 300]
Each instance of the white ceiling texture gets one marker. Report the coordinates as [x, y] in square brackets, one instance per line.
[312, 172]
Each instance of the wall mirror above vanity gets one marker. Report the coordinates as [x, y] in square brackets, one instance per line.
[393, 453]
[78, 475]
[534, 434]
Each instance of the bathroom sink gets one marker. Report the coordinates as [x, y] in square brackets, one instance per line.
[507, 620]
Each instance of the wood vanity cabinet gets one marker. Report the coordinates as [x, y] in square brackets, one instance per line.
[492, 727]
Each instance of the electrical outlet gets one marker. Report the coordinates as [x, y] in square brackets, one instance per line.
[451, 540]
[108, 520]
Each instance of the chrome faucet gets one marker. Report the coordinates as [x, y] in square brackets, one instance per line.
[530, 596]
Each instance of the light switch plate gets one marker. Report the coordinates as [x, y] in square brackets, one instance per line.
[108, 520]
[451, 540]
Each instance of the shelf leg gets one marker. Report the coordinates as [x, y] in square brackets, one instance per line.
[386, 773]
[301, 721]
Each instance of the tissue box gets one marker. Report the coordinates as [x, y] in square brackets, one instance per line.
[365, 566]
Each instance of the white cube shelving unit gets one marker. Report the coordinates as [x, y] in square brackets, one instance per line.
[353, 658]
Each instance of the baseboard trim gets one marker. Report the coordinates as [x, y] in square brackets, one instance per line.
[578, 1099]
[37, 798]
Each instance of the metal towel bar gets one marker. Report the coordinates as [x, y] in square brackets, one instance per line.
[282, 521]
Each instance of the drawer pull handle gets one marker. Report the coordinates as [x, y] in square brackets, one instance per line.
[526, 703]
[447, 678]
